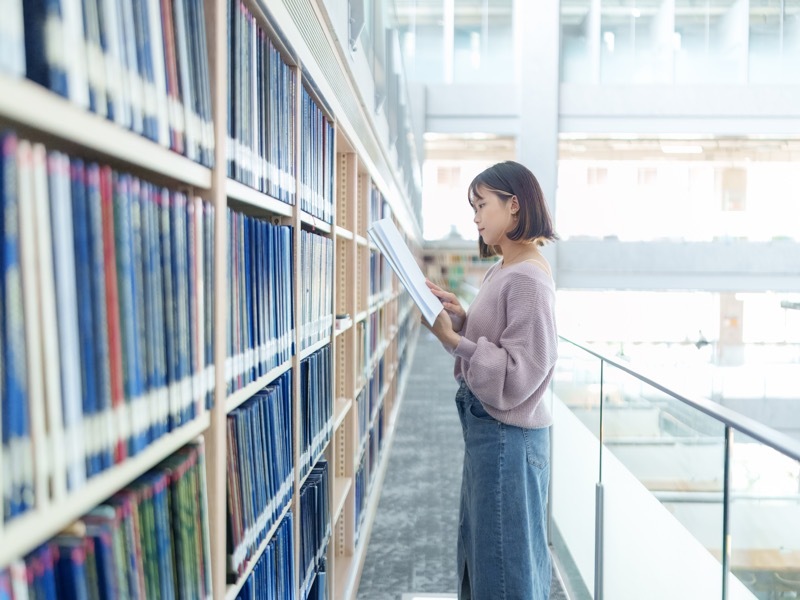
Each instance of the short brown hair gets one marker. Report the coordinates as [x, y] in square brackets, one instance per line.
[509, 179]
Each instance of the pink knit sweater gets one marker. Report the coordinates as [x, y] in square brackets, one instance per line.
[509, 344]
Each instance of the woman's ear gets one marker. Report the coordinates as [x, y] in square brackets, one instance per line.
[514, 205]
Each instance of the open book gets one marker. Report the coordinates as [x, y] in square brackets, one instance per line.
[389, 241]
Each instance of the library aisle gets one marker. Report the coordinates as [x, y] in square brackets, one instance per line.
[412, 546]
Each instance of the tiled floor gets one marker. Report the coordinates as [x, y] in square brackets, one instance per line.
[411, 550]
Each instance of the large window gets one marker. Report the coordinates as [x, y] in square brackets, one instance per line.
[643, 190]
[680, 41]
[457, 41]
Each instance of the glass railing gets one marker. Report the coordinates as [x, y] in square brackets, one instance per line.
[657, 495]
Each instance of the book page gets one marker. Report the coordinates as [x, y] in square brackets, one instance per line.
[391, 244]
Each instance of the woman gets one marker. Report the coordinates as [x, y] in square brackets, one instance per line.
[505, 349]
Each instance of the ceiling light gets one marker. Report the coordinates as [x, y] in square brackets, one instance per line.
[681, 149]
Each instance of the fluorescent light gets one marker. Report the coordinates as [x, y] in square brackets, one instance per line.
[681, 149]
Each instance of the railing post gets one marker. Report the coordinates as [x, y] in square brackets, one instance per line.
[726, 513]
[598, 507]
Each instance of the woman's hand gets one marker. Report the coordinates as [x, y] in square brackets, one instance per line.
[451, 305]
[442, 328]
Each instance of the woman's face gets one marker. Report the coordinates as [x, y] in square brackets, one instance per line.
[492, 215]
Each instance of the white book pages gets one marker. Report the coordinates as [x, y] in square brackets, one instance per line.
[389, 241]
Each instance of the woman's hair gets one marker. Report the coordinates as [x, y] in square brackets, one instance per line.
[508, 179]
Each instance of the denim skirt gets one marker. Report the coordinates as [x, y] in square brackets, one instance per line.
[502, 538]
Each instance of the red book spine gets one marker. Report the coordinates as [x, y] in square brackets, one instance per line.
[112, 313]
[173, 90]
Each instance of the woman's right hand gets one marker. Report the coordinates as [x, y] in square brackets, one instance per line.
[451, 305]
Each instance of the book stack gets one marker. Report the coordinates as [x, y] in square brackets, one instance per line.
[315, 527]
[317, 159]
[316, 407]
[141, 64]
[260, 316]
[273, 575]
[261, 105]
[260, 469]
[106, 318]
[316, 267]
[149, 540]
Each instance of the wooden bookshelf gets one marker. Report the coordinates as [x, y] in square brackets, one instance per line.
[359, 169]
[26, 105]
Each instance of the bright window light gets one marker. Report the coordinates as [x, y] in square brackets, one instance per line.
[608, 39]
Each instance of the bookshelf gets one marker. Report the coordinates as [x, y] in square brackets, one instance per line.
[263, 215]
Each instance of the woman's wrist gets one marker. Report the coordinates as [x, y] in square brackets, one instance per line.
[451, 341]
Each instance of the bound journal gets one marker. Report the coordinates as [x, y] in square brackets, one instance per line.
[389, 241]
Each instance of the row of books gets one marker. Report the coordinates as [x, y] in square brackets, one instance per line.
[362, 407]
[273, 575]
[380, 275]
[149, 540]
[259, 467]
[316, 267]
[142, 64]
[367, 469]
[261, 108]
[319, 587]
[315, 529]
[317, 158]
[372, 404]
[260, 313]
[404, 329]
[378, 207]
[362, 350]
[316, 407]
[106, 317]
[374, 386]
[375, 332]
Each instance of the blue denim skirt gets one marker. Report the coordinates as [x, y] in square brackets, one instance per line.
[502, 538]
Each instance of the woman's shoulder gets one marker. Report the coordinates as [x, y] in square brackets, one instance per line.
[526, 276]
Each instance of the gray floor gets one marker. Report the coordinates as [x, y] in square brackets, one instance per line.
[412, 546]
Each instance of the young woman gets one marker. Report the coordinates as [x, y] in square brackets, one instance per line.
[505, 349]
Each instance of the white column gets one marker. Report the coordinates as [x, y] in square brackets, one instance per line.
[448, 38]
[536, 39]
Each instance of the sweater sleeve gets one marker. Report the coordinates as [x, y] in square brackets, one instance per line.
[505, 374]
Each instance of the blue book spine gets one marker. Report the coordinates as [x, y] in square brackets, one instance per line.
[168, 306]
[208, 265]
[142, 308]
[39, 51]
[97, 301]
[192, 301]
[123, 185]
[86, 327]
[155, 303]
[70, 568]
[180, 300]
[16, 441]
[248, 298]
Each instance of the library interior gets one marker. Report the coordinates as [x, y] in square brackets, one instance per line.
[217, 374]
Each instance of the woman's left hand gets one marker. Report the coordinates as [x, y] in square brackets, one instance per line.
[443, 330]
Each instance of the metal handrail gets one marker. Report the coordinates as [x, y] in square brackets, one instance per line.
[758, 431]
